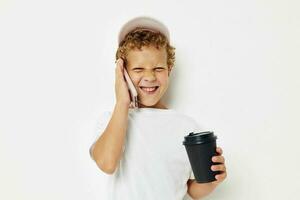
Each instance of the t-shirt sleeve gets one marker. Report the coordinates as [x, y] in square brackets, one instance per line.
[100, 126]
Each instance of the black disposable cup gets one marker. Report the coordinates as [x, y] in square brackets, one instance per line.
[201, 147]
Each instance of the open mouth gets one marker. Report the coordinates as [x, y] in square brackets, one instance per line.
[149, 90]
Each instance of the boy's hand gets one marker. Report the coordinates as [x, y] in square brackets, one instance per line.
[121, 88]
[219, 167]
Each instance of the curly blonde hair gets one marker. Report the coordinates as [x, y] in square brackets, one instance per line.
[139, 38]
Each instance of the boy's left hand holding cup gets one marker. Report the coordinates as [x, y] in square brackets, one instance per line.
[219, 167]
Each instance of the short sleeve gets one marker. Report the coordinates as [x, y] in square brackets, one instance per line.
[99, 128]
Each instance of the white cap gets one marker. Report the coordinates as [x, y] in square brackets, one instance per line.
[146, 23]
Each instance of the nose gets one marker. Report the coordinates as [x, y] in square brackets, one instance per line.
[149, 76]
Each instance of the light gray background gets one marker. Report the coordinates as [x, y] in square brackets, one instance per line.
[237, 73]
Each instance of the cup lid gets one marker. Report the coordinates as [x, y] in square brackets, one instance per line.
[199, 138]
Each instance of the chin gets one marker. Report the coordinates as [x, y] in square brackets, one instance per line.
[149, 104]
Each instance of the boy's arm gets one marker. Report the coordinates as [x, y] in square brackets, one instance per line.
[108, 149]
[199, 190]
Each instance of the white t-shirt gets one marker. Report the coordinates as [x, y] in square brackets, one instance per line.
[154, 164]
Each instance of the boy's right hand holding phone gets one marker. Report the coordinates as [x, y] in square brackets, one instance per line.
[121, 88]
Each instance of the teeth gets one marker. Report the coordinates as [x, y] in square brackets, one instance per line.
[150, 89]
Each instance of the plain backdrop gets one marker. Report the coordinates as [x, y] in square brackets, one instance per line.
[236, 73]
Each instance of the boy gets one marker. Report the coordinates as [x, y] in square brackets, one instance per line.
[142, 148]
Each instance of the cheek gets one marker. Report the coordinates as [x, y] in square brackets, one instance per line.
[163, 79]
[135, 80]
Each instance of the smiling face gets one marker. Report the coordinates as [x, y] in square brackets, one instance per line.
[148, 70]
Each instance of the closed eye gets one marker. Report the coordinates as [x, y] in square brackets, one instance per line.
[137, 69]
[159, 69]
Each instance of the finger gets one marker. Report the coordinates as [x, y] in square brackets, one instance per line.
[119, 64]
[219, 159]
[219, 150]
[218, 168]
[131, 106]
[119, 68]
[217, 181]
[221, 177]
[119, 61]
